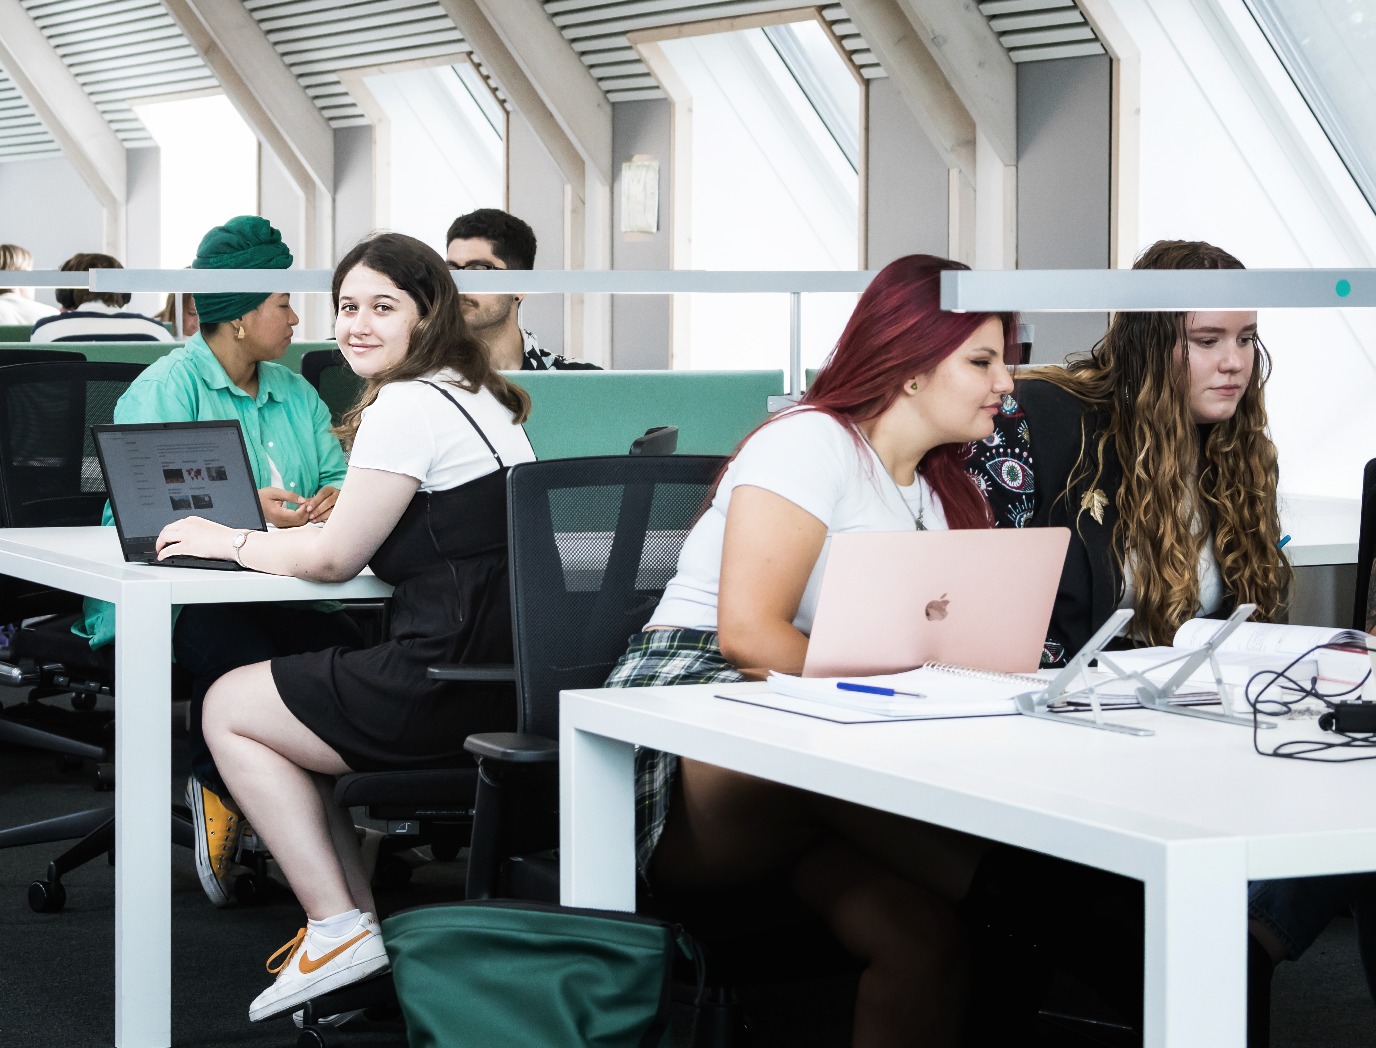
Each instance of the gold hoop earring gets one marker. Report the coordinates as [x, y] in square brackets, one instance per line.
[239, 336]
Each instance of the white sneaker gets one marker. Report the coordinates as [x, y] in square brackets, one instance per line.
[316, 964]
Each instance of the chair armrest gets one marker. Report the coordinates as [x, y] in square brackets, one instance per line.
[462, 672]
[513, 747]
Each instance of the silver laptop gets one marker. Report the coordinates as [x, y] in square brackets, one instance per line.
[159, 472]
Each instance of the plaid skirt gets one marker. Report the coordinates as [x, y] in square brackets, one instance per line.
[667, 656]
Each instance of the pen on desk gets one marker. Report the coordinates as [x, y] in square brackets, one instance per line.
[1283, 540]
[872, 689]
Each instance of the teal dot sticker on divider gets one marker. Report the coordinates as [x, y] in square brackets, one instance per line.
[1343, 288]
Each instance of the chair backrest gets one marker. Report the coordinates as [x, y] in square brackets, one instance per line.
[49, 472]
[19, 353]
[332, 378]
[657, 440]
[594, 541]
[1366, 546]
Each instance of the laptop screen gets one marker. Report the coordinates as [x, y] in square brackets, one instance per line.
[161, 472]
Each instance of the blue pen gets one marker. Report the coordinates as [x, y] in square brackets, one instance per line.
[1283, 540]
[872, 689]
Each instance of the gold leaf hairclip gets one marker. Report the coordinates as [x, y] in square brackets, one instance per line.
[1095, 502]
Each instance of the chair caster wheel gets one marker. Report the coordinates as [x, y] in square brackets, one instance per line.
[47, 896]
[310, 1037]
[84, 701]
[392, 872]
[105, 777]
[254, 889]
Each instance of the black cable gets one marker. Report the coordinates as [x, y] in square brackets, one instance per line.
[1304, 749]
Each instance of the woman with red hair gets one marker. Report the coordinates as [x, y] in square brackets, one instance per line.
[878, 443]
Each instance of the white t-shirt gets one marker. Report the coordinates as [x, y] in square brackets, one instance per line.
[18, 309]
[813, 461]
[413, 429]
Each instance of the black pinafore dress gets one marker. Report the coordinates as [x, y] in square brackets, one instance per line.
[447, 561]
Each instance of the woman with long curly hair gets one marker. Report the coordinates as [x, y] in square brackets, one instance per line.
[1153, 450]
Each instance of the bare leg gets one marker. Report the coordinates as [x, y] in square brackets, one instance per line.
[726, 828]
[736, 827]
[268, 760]
[346, 845]
[915, 981]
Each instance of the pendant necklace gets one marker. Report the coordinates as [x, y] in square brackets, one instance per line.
[917, 515]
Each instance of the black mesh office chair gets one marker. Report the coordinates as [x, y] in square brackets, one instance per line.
[50, 477]
[332, 378]
[1366, 546]
[594, 541]
[22, 354]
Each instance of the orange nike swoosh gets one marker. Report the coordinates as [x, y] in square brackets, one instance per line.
[308, 965]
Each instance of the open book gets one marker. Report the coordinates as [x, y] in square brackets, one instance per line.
[1262, 639]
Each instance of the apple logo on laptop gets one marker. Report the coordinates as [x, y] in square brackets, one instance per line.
[936, 609]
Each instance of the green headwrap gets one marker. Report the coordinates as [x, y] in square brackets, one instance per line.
[246, 242]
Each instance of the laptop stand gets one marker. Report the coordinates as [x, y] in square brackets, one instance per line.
[1159, 697]
[1064, 685]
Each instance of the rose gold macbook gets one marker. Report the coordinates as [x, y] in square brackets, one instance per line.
[892, 600]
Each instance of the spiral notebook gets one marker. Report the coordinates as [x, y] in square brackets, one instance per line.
[890, 601]
[930, 692]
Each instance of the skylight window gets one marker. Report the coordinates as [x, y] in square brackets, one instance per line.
[1328, 47]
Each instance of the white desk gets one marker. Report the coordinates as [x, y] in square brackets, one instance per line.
[1322, 530]
[88, 561]
[1192, 811]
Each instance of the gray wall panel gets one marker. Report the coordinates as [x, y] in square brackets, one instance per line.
[535, 193]
[1063, 187]
[907, 181]
[641, 323]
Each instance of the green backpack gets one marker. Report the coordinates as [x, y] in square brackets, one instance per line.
[517, 974]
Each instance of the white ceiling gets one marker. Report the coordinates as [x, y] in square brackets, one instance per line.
[123, 51]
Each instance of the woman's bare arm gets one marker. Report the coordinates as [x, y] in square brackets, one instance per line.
[369, 507]
[770, 548]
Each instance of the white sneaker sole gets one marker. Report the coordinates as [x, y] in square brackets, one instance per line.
[355, 972]
[210, 884]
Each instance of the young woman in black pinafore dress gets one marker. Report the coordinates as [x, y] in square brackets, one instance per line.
[425, 504]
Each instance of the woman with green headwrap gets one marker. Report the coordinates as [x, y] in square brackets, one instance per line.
[228, 370]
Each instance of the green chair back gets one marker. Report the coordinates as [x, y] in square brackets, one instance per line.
[15, 332]
[576, 413]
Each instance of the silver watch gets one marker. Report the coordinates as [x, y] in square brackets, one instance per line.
[240, 537]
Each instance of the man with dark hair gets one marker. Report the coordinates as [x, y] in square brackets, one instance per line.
[96, 316]
[491, 239]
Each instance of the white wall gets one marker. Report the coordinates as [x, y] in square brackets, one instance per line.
[49, 210]
[1231, 155]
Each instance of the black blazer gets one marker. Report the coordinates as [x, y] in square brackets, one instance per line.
[1024, 468]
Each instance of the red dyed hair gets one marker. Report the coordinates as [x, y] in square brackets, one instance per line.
[899, 330]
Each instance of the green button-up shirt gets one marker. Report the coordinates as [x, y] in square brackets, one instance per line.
[286, 422]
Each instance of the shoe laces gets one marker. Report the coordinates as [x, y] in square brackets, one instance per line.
[289, 949]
